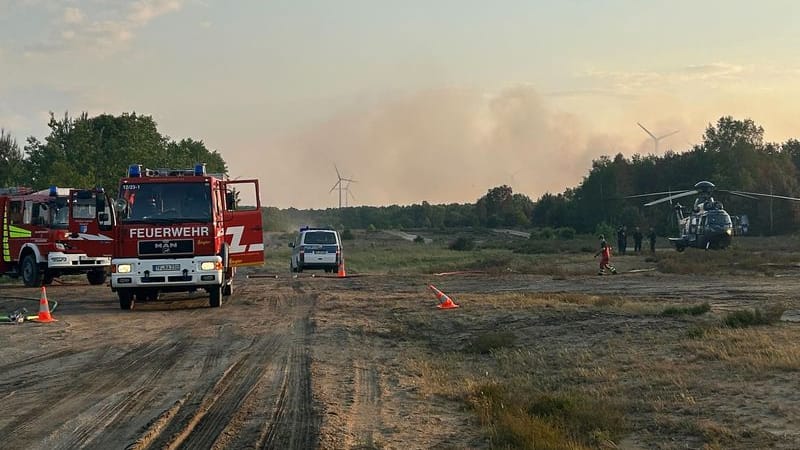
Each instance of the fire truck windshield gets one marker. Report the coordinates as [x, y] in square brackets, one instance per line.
[167, 202]
[60, 213]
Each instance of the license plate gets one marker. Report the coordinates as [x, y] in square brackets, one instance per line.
[320, 252]
[166, 267]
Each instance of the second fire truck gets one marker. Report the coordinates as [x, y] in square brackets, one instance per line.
[53, 232]
[182, 230]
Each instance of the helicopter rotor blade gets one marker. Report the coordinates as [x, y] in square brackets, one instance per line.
[737, 193]
[655, 193]
[757, 194]
[672, 197]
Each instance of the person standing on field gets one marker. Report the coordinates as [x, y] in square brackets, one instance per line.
[605, 259]
[622, 239]
[637, 240]
[652, 237]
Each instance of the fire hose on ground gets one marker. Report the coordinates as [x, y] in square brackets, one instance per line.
[20, 315]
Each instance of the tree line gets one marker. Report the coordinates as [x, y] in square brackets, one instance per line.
[88, 151]
[733, 155]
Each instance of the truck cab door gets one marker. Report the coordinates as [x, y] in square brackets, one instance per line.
[90, 212]
[244, 231]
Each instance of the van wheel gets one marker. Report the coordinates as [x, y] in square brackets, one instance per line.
[125, 299]
[31, 275]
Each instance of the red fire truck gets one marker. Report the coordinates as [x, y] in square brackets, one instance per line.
[182, 230]
[54, 232]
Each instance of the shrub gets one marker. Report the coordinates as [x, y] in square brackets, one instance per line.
[750, 318]
[695, 310]
[419, 239]
[606, 230]
[565, 233]
[347, 235]
[486, 342]
[371, 228]
[543, 234]
[568, 421]
[463, 244]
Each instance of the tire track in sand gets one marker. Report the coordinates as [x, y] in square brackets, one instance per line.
[263, 400]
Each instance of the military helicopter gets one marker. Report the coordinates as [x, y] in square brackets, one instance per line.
[708, 225]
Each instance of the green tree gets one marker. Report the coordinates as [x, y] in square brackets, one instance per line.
[12, 169]
[96, 151]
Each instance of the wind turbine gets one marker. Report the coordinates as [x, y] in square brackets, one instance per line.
[348, 193]
[339, 184]
[656, 138]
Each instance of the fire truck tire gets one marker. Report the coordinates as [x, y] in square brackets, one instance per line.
[96, 277]
[31, 275]
[215, 296]
[125, 299]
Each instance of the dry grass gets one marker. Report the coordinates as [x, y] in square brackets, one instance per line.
[587, 386]
[755, 349]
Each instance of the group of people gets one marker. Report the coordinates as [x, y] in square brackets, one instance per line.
[622, 239]
[622, 242]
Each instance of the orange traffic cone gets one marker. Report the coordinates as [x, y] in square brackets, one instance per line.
[444, 301]
[44, 309]
[342, 273]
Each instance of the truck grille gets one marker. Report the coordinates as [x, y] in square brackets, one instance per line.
[167, 247]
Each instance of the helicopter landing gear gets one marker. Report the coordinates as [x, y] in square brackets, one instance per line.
[680, 248]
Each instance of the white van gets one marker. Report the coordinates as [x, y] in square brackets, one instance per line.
[316, 248]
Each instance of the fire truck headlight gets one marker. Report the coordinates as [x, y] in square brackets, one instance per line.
[208, 265]
[123, 268]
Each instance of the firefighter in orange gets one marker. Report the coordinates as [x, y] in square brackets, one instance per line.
[605, 259]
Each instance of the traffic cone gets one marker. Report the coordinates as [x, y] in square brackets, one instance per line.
[444, 301]
[342, 273]
[44, 309]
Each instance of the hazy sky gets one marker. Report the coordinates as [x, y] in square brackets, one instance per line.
[435, 100]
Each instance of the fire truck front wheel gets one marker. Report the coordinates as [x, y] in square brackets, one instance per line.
[215, 296]
[125, 299]
[96, 277]
[31, 273]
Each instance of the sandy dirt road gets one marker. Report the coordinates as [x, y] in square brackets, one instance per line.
[168, 375]
[295, 363]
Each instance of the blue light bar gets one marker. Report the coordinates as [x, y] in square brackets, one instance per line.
[135, 170]
[200, 169]
[53, 191]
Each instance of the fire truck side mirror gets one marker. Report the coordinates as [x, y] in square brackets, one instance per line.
[121, 206]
